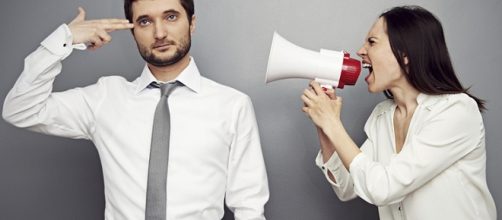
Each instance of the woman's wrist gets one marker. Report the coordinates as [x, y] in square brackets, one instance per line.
[332, 126]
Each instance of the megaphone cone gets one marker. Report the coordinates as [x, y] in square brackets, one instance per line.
[333, 68]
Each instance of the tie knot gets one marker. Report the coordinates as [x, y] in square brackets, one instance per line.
[166, 88]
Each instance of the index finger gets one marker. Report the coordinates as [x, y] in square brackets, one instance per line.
[317, 88]
[117, 26]
[109, 23]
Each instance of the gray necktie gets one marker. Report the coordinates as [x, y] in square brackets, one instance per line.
[159, 156]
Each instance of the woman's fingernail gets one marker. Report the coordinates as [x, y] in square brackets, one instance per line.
[324, 89]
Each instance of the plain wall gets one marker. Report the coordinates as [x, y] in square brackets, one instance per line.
[44, 177]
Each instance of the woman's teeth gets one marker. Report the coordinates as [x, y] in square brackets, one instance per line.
[368, 66]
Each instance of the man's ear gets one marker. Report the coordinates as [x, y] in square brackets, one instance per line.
[192, 24]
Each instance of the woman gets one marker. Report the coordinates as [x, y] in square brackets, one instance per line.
[424, 157]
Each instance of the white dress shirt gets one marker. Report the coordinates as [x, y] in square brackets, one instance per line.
[440, 172]
[215, 152]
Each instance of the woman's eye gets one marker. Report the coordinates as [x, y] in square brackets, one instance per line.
[371, 41]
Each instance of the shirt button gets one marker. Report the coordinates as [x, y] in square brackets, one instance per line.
[323, 167]
[399, 208]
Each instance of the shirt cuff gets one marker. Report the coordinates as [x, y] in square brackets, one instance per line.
[60, 41]
[333, 165]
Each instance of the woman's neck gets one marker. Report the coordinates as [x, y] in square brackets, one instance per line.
[405, 98]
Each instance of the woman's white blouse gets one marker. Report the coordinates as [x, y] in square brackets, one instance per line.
[440, 172]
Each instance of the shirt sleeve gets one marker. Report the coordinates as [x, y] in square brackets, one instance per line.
[451, 131]
[32, 104]
[344, 186]
[247, 185]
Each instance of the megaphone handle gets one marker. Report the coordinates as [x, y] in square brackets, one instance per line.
[325, 83]
[327, 86]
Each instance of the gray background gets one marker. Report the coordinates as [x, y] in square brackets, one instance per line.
[43, 177]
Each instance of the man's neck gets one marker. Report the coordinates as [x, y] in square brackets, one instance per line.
[168, 73]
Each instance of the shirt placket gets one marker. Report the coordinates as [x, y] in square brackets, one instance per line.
[400, 211]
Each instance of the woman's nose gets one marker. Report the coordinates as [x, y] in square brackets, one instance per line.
[361, 52]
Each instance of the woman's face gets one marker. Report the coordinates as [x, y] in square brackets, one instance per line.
[384, 70]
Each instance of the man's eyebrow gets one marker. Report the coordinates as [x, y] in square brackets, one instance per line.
[171, 11]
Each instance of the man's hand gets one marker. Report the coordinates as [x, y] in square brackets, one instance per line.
[94, 33]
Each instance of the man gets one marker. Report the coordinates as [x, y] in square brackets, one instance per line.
[213, 150]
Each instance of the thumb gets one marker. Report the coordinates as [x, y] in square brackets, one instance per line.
[80, 16]
[339, 99]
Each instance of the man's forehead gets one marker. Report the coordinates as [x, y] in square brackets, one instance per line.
[152, 7]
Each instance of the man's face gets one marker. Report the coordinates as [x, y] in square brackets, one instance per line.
[162, 31]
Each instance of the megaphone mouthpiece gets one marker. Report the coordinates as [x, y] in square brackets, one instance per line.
[351, 69]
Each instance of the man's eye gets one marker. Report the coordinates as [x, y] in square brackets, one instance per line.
[171, 17]
[143, 22]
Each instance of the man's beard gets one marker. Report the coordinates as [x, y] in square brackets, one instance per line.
[181, 51]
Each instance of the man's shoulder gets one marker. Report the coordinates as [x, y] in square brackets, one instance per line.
[211, 86]
[113, 83]
[113, 80]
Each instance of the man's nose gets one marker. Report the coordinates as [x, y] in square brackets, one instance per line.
[160, 31]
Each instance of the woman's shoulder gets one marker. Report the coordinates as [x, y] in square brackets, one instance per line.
[457, 110]
[459, 101]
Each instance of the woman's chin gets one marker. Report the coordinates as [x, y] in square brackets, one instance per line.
[372, 89]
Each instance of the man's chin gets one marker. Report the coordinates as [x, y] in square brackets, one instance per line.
[162, 61]
[163, 58]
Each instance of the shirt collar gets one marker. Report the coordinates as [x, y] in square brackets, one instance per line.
[190, 77]
[421, 98]
[427, 101]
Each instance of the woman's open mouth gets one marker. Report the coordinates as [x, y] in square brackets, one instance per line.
[370, 70]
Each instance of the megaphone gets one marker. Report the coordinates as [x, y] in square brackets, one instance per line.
[327, 67]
